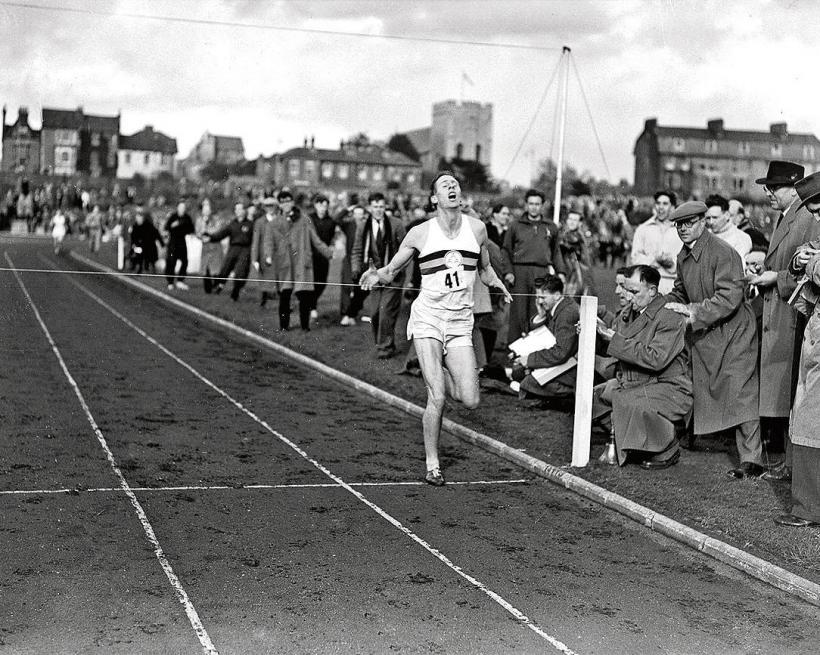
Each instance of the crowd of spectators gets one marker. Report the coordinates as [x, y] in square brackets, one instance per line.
[702, 339]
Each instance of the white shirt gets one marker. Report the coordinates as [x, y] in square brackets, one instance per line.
[377, 226]
[736, 238]
[654, 239]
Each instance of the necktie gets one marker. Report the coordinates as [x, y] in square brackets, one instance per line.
[379, 237]
[777, 222]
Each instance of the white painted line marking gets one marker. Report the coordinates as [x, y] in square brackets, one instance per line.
[318, 485]
[520, 616]
[193, 617]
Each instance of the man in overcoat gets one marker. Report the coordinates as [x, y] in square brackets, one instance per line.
[805, 417]
[782, 326]
[296, 241]
[263, 249]
[709, 291]
[652, 389]
[376, 241]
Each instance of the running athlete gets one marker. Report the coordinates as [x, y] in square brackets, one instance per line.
[451, 249]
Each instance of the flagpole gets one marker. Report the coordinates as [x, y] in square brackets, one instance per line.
[556, 212]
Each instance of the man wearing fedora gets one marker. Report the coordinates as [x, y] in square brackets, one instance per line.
[709, 291]
[780, 345]
[805, 416]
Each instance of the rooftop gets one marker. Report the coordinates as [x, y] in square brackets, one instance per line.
[149, 140]
[371, 155]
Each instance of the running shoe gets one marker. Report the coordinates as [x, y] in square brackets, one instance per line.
[434, 477]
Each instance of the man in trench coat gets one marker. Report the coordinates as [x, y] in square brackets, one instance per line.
[805, 417]
[652, 389]
[709, 292]
[782, 326]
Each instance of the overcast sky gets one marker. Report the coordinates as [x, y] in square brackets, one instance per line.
[749, 62]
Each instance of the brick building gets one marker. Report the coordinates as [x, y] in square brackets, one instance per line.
[21, 145]
[74, 142]
[147, 153]
[352, 166]
[695, 162]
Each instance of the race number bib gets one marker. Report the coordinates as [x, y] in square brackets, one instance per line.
[453, 278]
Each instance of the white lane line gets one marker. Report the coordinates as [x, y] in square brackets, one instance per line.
[318, 485]
[182, 596]
[520, 616]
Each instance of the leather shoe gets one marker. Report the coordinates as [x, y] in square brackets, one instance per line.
[747, 470]
[657, 465]
[794, 521]
[780, 473]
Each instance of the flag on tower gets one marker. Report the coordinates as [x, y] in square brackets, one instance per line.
[466, 78]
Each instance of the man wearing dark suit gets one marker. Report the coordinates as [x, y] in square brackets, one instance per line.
[652, 389]
[376, 241]
[780, 343]
[560, 316]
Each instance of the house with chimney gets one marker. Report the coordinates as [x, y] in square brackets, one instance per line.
[21, 145]
[73, 142]
[147, 153]
[355, 165]
[698, 161]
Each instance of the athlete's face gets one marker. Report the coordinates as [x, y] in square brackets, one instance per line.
[448, 192]
[534, 206]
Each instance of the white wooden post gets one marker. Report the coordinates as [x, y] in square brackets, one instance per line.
[120, 253]
[581, 432]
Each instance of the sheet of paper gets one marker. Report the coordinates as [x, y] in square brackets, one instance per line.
[544, 375]
[538, 339]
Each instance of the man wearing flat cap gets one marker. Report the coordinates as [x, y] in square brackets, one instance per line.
[709, 292]
[805, 416]
[781, 325]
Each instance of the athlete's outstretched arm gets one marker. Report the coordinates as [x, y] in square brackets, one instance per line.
[385, 274]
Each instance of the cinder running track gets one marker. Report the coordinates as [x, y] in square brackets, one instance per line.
[166, 489]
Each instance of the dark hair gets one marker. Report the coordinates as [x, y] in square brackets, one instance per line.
[534, 192]
[551, 283]
[284, 195]
[438, 176]
[626, 271]
[376, 196]
[669, 194]
[716, 200]
[647, 274]
[498, 207]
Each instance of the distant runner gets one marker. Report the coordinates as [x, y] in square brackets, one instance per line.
[451, 248]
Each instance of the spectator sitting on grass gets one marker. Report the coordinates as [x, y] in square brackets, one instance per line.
[559, 315]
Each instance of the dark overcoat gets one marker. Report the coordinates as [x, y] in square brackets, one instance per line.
[723, 336]
[780, 339]
[652, 389]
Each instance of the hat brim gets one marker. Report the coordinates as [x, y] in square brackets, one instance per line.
[815, 197]
[774, 180]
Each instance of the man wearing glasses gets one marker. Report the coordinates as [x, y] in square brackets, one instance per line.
[709, 292]
[780, 343]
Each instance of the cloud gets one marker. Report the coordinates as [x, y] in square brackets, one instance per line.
[682, 62]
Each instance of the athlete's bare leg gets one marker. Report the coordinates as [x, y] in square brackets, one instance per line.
[459, 379]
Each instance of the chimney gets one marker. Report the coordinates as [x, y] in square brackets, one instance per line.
[341, 144]
[650, 124]
[715, 126]
[149, 128]
[4, 115]
[779, 130]
[22, 115]
[312, 140]
[304, 143]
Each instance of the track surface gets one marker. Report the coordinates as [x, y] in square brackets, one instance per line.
[300, 563]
